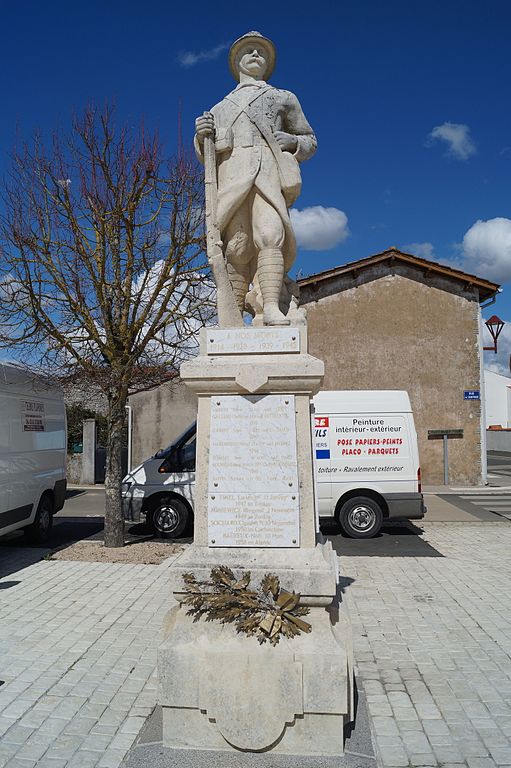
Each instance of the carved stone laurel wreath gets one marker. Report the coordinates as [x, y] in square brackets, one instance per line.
[269, 612]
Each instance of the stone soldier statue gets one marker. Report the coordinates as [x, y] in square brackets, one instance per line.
[260, 136]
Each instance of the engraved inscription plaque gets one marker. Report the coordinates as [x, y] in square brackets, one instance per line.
[253, 520]
[252, 341]
[253, 495]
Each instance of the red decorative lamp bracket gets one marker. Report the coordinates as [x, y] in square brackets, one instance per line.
[494, 325]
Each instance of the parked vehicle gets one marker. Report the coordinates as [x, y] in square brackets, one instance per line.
[367, 459]
[366, 467]
[161, 489]
[32, 453]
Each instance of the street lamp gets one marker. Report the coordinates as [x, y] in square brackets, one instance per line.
[494, 325]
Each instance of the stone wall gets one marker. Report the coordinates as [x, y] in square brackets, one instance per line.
[74, 468]
[392, 331]
[159, 416]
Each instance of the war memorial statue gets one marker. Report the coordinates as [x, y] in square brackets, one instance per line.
[241, 667]
[258, 135]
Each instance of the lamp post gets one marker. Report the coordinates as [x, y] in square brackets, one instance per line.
[494, 325]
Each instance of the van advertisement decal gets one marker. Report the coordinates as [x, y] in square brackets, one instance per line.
[362, 444]
[322, 437]
[32, 416]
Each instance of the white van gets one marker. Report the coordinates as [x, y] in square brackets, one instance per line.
[367, 459]
[32, 453]
[366, 467]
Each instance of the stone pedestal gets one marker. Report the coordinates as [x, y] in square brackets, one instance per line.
[255, 510]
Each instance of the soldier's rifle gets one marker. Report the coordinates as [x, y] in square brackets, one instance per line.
[229, 315]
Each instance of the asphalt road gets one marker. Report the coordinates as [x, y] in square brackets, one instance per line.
[83, 512]
[83, 503]
[499, 469]
[82, 517]
[85, 508]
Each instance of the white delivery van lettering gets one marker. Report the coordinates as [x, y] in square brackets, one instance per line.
[358, 438]
[32, 416]
[322, 437]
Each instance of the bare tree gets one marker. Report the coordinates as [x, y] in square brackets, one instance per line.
[101, 266]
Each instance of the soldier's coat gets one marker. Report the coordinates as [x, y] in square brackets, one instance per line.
[244, 158]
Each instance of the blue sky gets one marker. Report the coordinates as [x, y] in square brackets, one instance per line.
[409, 101]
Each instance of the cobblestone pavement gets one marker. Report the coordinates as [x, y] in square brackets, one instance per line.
[432, 641]
[77, 657]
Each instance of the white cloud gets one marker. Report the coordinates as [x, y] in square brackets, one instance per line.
[318, 228]
[190, 59]
[499, 363]
[487, 249]
[424, 250]
[457, 137]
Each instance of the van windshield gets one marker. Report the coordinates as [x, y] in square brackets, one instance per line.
[183, 438]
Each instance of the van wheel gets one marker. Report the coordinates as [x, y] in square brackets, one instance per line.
[40, 530]
[168, 517]
[361, 517]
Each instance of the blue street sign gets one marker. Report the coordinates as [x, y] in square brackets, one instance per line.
[471, 394]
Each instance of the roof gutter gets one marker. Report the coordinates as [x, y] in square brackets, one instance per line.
[492, 300]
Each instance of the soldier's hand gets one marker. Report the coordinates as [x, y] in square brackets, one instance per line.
[286, 141]
[205, 125]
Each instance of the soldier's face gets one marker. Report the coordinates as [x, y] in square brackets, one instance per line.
[253, 63]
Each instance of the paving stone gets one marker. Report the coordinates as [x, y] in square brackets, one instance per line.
[501, 755]
[422, 759]
[32, 751]
[132, 725]
[83, 759]
[437, 727]
[393, 757]
[385, 725]
[112, 758]
[399, 699]
[480, 762]
[96, 742]
[432, 635]
[405, 713]
[80, 725]
[416, 741]
[447, 754]
[470, 748]
[17, 734]
[457, 638]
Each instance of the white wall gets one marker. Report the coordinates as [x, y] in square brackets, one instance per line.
[498, 399]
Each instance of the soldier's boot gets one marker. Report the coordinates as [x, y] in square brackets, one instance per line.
[270, 271]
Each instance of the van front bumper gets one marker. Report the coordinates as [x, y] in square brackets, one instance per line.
[405, 505]
[132, 507]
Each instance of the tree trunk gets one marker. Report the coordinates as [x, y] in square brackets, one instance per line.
[114, 519]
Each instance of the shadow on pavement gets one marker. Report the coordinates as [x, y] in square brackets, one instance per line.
[401, 539]
[15, 557]
[136, 532]
[66, 530]
[17, 553]
[8, 584]
[71, 493]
